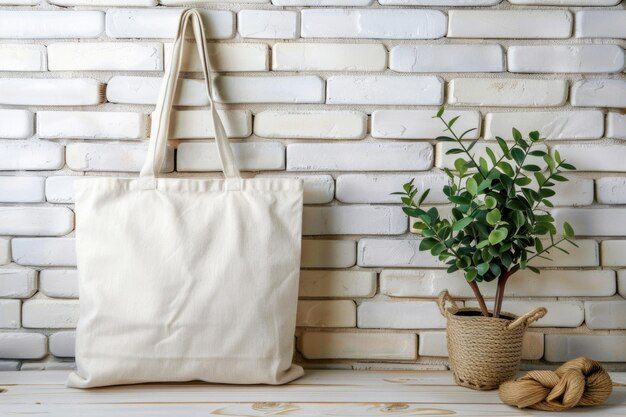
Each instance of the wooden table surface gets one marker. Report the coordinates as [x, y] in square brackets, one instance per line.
[319, 393]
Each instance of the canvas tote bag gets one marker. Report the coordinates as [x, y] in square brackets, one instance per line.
[186, 279]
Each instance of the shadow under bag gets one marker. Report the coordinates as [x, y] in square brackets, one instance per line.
[186, 279]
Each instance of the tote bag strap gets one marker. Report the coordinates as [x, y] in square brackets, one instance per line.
[157, 147]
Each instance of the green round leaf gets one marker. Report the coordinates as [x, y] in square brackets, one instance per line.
[497, 235]
[490, 202]
[461, 224]
[494, 216]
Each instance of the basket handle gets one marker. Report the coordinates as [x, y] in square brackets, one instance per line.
[446, 303]
[528, 318]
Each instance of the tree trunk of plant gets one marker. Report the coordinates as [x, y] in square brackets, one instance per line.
[479, 297]
[497, 306]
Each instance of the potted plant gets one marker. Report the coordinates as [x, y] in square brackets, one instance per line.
[499, 218]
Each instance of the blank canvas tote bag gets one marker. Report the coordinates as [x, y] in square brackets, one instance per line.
[186, 279]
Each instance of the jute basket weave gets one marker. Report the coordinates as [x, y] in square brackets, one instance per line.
[484, 351]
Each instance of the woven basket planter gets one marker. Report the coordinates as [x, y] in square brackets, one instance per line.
[484, 351]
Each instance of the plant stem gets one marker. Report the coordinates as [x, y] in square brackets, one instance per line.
[497, 306]
[458, 140]
[479, 297]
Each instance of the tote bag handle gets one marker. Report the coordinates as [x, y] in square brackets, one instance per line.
[158, 140]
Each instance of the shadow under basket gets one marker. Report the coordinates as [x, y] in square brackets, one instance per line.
[484, 351]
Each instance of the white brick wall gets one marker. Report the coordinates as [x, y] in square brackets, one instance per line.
[339, 93]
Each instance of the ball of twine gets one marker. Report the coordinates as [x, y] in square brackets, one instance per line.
[580, 382]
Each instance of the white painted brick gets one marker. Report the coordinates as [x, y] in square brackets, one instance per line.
[354, 220]
[97, 3]
[560, 313]
[51, 92]
[46, 313]
[145, 90]
[10, 312]
[563, 347]
[601, 23]
[591, 157]
[513, 92]
[395, 252]
[329, 313]
[328, 253]
[32, 155]
[48, 24]
[311, 124]
[254, 156]
[17, 282]
[19, 2]
[162, 23]
[599, 92]
[576, 192]
[338, 284]
[566, 2]
[621, 279]
[439, 2]
[328, 57]
[520, 24]
[60, 189]
[318, 189]
[447, 161]
[370, 23]
[48, 365]
[268, 24]
[400, 315]
[593, 222]
[6, 365]
[59, 283]
[62, 344]
[33, 221]
[188, 2]
[375, 89]
[91, 125]
[359, 157]
[565, 58]
[613, 253]
[420, 124]
[224, 57]
[22, 189]
[23, 345]
[21, 57]
[337, 345]
[198, 124]
[342, 3]
[377, 188]
[111, 157]
[611, 190]
[616, 125]
[42, 251]
[16, 124]
[585, 255]
[283, 89]
[105, 56]
[605, 314]
[5, 250]
[550, 124]
[447, 58]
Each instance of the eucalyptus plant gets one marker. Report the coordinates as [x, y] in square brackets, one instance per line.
[499, 214]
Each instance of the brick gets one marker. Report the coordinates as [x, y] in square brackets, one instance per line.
[328, 57]
[95, 3]
[25, 24]
[362, 345]
[22, 189]
[377, 188]
[21, 57]
[320, 253]
[15, 345]
[51, 92]
[111, 157]
[560, 313]
[43, 312]
[576, 192]
[59, 283]
[585, 255]
[31, 156]
[33, 221]
[224, 57]
[601, 23]
[550, 124]
[337, 284]
[278, 89]
[400, 315]
[420, 124]
[322, 2]
[91, 125]
[611, 190]
[599, 93]
[621, 280]
[593, 222]
[603, 348]
[566, 2]
[162, 23]
[10, 313]
[605, 314]
[447, 161]
[42, 251]
[318, 189]
[373, 23]
[268, 24]
[447, 58]
[329, 313]
[508, 92]
[439, 2]
[520, 24]
[256, 156]
[565, 58]
[394, 252]
[145, 90]
[354, 220]
[16, 124]
[311, 124]
[198, 124]
[105, 56]
[613, 253]
[591, 157]
[60, 189]
[5, 250]
[17, 282]
[19, 2]
[374, 89]
[6, 365]
[62, 344]
[188, 2]
[359, 157]
[48, 365]
[616, 125]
